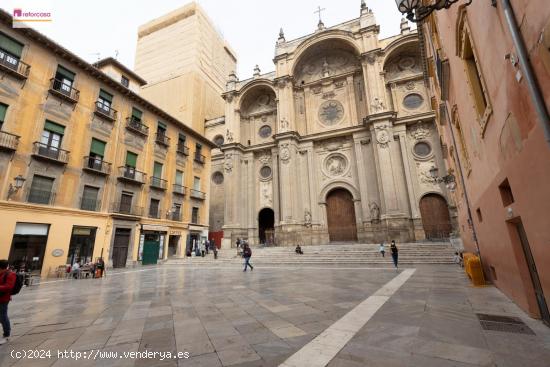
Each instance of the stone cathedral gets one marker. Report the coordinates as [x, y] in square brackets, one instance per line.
[335, 145]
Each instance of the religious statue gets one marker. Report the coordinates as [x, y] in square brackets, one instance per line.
[284, 124]
[229, 136]
[377, 105]
[335, 165]
[374, 211]
[307, 218]
[326, 71]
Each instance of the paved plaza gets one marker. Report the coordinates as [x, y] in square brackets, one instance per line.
[290, 316]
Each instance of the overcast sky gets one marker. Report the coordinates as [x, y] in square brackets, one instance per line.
[251, 27]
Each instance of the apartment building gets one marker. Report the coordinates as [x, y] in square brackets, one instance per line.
[88, 168]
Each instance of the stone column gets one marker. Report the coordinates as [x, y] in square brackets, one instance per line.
[352, 102]
[402, 131]
[361, 175]
[232, 197]
[276, 185]
[287, 171]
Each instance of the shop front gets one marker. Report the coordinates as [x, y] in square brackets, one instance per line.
[28, 246]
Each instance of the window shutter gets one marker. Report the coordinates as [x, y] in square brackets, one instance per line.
[105, 96]
[90, 193]
[41, 183]
[98, 147]
[3, 109]
[179, 178]
[54, 128]
[65, 72]
[10, 45]
[157, 170]
[162, 125]
[182, 138]
[131, 159]
[136, 113]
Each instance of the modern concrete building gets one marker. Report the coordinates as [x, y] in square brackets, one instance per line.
[335, 145]
[186, 63]
[493, 97]
[89, 168]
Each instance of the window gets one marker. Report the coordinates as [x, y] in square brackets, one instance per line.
[506, 193]
[136, 114]
[89, 198]
[195, 215]
[41, 190]
[104, 101]
[156, 180]
[3, 110]
[218, 140]
[198, 148]
[97, 152]
[10, 51]
[456, 122]
[265, 172]
[126, 202]
[161, 128]
[197, 183]
[179, 177]
[131, 159]
[124, 81]
[413, 101]
[154, 208]
[198, 156]
[217, 178]
[181, 139]
[265, 131]
[422, 149]
[50, 141]
[64, 79]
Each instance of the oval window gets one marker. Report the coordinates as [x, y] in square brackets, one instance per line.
[218, 140]
[422, 149]
[265, 131]
[413, 101]
[265, 172]
[217, 178]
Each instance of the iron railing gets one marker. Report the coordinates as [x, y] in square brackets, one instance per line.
[50, 152]
[158, 183]
[179, 189]
[154, 212]
[40, 197]
[162, 139]
[8, 141]
[122, 207]
[96, 164]
[199, 158]
[195, 219]
[13, 65]
[196, 194]
[131, 174]
[105, 110]
[90, 204]
[64, 90]
[182, 149]
[134, 124]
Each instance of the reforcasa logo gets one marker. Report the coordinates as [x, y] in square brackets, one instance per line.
[22, 18]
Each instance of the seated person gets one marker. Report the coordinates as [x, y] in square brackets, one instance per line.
[299, 250]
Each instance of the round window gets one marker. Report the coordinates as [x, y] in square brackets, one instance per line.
[265, 172]
[422, 149]
[265, 131]
[413, 101]
[217, 178]
[218, 140]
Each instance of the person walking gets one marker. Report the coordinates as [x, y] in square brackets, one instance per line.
[203, 248]
[382, 249]
[247, 254]
[394, 253]
[100, 268]
[215, 250]
[7, 282]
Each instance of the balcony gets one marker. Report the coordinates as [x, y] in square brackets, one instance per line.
[121, 207]
[135, 125]
[162, 139]
[176, 216]
[179, 189]
[92, 205]
[50, 153]
[158, 183]
[105, 111]
[131, 175]
[13, 66]
[8, 141]
[40, 197]
[64, 91]
[182, 149]
[96, 165]
[199, 158]
[196, 194]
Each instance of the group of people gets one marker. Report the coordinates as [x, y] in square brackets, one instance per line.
[394, 252]
[96, 270]
[202, 248]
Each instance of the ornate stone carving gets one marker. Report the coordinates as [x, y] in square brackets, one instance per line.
[264, 157]
[284, 126]
[410, 86]
[228, 164]
[328, 95]
[333, 144]
[406, 62]
[325, 63]
[374, 211]
[331, 112]
[284, 153]
[316, 90]
[371, 58]
[383, 138]
[420, 131]
[307, 218]
[335, 165]
[228, 136]
[377, 105]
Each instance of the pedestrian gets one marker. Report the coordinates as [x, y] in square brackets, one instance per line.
[299, 250]
[207, 245]
[458, 259]
[394, 253]
[382, 249]
[7, 283]
[247, 254]
[215, 249]
[76, 270]
[203, 247]
[100, 268]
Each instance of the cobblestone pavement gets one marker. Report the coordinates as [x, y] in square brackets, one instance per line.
[222, 316]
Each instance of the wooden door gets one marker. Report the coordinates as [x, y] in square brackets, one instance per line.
[435, 217]
[341, 216]
[120, 247]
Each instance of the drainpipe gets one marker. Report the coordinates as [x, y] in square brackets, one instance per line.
[527, 69]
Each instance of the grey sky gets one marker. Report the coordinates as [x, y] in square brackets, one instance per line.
[251, 27]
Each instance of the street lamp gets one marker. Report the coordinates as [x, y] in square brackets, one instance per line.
[448, 180]
[416, 12]
[19, 181]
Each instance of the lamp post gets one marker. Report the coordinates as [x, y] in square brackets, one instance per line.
[449, 180]
[415, 11]
[19, 181]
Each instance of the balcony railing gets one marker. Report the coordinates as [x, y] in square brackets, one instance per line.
[182, 149]
[105, 111]
[96, 165]
[179, 189]
[41, 197]
[8, 141]
[135, 125]
[51, 153]
[158, 183]
[130, 174]
[13, 65]
[195, 219]
[122, 207]
[93, 205]
[64, 90]
[196, 194]
[175, 216]
[162, 139]
[199, 158]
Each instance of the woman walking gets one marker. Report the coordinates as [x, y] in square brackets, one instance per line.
[382, 249]
[394, 253]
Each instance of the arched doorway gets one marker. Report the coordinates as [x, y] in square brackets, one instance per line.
[341, 216]
[435, 217]
[266, 221]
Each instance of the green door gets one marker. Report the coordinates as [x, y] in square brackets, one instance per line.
[151, 246]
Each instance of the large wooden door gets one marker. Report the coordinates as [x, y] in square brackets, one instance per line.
[120, 247]
[435, 217]
[341, 216]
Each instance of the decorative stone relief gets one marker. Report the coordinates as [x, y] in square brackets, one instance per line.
[285, 126]
[377, 105]
[228, 164]
[336, 164]
[266, 194]
[284, 153]
[307, 218]
[383, 138]
[333, 144]
[420, 131]
[374, 211]
[328, 95]
[331, 112]
[229, 136]
[410, 86]
[264, 157]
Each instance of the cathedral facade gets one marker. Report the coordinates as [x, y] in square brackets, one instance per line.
[339, 143]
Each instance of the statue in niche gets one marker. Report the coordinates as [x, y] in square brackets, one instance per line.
[229, 136]
[374, 211]
[326, 72]
[307, 218]
[377, 105]
[285, 126]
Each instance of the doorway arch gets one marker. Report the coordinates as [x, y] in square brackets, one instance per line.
[341, 215]
[266, 222]
[436, 220]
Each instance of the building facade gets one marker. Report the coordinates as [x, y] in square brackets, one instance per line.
[185, 62]
[106, 173]
[335, 145]
[494, 133]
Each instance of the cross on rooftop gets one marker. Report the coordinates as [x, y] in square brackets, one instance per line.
[319, 10]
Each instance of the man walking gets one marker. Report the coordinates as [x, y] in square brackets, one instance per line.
[247, 254]
[394, 254]
[7, 282]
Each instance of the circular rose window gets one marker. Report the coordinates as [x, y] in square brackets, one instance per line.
[422, 149]
[217, 178]
[413, 101]
[218, 140]
[265, 172]
[265, 131]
